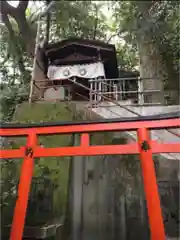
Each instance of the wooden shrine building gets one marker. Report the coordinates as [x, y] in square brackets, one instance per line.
[69, 65]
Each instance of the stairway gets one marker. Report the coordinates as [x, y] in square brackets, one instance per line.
[110, 110]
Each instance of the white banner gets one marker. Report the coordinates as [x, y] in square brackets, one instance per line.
[92, 70]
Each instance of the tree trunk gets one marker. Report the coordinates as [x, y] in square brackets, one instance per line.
[39, 77]
[152, 68]
[28, 36]
[172, 85]
[27, 33]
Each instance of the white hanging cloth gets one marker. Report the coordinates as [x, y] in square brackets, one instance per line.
[92, 70]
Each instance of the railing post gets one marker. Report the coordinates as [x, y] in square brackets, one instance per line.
[115, 90]
[95, 92]
[140, 92]
[120, 89]
[23, 190]
[91, 94]
[150, 186]
[99, 90]
[103, 87]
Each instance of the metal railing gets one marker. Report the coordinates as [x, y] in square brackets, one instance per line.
[123, 89]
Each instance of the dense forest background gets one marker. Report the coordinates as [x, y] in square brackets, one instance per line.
[146, 35]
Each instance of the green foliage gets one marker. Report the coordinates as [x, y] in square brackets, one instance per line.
[78, 19]
[9, 179]
[11, 95]
[86, 19]
[56, 170]
[13, 53]
[127, 56]
[157, 20]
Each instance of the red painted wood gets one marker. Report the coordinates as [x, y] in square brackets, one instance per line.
[23, 192]
[96, 127]
[151, 188]
[150, 185]
[85, 150]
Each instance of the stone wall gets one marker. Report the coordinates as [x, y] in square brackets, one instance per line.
[109, 191]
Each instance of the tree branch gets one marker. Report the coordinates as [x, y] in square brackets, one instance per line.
[96, 23]
[6, 8]
[23, 5]
[118, 33]
[8, 25]
[14, 42]
[19, 16]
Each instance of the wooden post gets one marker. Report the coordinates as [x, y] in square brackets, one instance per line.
[34, 62]
[150, 186]
[23, 190]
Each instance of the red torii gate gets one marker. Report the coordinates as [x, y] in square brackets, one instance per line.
[145, 147]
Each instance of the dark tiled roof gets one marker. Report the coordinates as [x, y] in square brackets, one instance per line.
[80, 41]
